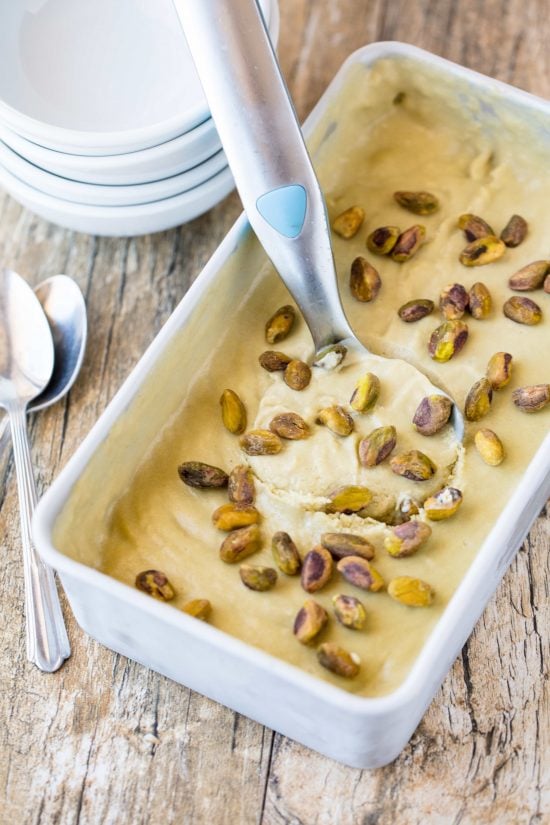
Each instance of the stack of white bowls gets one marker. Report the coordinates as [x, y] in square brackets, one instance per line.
[104, 127]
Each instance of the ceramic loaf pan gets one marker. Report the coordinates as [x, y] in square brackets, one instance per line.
[361, 732]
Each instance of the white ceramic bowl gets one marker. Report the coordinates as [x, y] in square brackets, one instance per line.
[121, 221]
[100, 78]
[155, 163]
[94, 195]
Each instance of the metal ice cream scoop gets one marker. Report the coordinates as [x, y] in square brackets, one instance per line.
[265, 148]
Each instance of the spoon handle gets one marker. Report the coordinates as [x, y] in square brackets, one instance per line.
[261, 136]
[47, 641]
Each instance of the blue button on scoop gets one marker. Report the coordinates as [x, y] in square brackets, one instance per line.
[284, 209]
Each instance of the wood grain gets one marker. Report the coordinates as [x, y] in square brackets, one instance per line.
[107, 741]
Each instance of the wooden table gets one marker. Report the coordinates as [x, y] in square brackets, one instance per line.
[107, 742]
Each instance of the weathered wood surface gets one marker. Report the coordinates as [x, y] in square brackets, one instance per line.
[106, 741]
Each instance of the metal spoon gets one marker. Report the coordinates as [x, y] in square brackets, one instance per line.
[263, 142]
[65, 309]
[26, 365]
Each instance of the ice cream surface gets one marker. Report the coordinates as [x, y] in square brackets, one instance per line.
[390, 129]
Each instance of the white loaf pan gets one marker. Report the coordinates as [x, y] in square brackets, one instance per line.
[361, 732]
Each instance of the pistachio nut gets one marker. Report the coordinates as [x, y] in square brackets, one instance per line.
[360, 572]
[349, 611]
[289, 425]
[405, 539]
[532, 399]
[349, 500]
[515, 231]
[366, 392]
[443, 504]
[317, 568]
[522, 311]
[529, 277]
[274, 361]
[432, 414]
[233, 412]
[347, 544]
[260, 442]
[202, 476]
[377, 446]
[414, 465]
[198, 608]
[447, 340]
[239, 544]
[482, 251]
[155, 583]
[232, 516]
[411, 592]
[364, 280]
[415, 310]
[285, 554]
[478, 401]
[337, 419]
[338, 660]
[421, 203]
[330, 357]
[474, 227]
[380, 508]
[241, 489]
[480, 302]
[546, 284]
[280, 324]
[408, 243]
[349, 222]
[309, 621]
[499, 370]
[453, 301]
[489, 447]
[258, 578]
[383, 239]
[297, 375]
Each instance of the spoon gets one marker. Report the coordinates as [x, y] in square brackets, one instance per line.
[26, 366]
[64, 307]
[263, 142]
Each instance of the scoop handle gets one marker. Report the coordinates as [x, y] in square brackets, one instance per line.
[263, 142]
